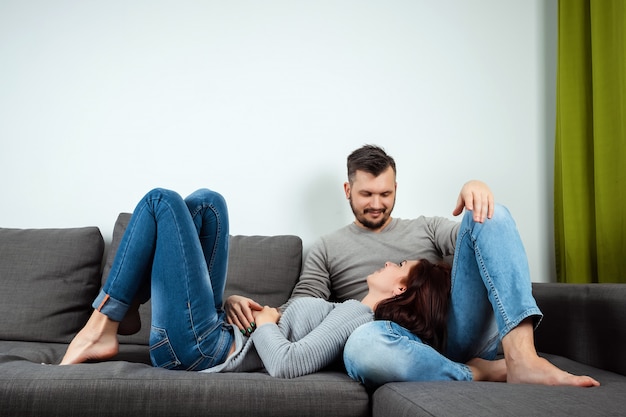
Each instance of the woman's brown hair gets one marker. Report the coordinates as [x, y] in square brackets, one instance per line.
[423, 307]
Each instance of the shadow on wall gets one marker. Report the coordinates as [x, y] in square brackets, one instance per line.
[324, 207]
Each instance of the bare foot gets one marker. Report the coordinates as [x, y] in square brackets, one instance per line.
[538, 370]
[96, 341]
[484, 370]
[524, 366]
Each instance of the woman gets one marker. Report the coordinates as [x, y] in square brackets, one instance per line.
[180, 248]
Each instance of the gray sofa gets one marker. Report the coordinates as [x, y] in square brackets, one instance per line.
[48, 278]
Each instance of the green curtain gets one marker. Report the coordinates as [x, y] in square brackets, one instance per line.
[590, 153]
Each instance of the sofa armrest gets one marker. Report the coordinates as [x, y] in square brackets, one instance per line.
[583, 322]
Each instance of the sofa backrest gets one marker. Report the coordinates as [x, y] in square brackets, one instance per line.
[48, 279]
[264, 268]
[583, 322]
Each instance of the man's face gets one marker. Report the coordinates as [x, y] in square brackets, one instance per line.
[372, 198]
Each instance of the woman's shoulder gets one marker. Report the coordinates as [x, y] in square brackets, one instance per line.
[320, 304]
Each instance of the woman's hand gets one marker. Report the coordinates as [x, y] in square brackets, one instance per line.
[239, 311]
[266, 315]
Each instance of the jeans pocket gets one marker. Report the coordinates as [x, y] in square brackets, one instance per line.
[161, 352]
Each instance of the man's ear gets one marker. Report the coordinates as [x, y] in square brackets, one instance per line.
[346, 189]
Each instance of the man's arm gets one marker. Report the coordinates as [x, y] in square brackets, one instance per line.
[314, 279]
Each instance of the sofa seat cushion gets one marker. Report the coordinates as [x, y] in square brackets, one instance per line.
[52, 353]
[404, 399]
[118, 389]
[48, 279]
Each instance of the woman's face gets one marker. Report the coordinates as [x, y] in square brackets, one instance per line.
[392, 278]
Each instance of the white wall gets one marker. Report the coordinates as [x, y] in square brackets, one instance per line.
[263, 101]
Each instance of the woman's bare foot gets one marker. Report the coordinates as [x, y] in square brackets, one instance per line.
[524, 366]
[484, 370]
[96, 341]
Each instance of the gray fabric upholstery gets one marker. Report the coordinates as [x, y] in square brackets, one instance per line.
[120, 389]
[413, 399]
[48, 278]
[52, 353]
[264, 268]
[581, 323]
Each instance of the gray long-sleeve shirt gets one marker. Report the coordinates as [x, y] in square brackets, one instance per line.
[310, 335]
[338, 264]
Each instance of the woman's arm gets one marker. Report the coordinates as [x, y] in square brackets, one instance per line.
[311, 335]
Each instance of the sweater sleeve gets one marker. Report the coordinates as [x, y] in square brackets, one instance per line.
[314, 280]
[444, 233]
[310, 341]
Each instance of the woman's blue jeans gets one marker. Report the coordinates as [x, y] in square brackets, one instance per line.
[175, 251]
[491, 294]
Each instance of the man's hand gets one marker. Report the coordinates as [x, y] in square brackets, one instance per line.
[239, 311]
[265, 316]
[477, 197]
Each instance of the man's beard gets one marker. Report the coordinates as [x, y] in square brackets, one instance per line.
[370, 224]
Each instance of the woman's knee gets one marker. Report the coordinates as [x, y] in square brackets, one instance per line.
[162, 194]
[206, 197]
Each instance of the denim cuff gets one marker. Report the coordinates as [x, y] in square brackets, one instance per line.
[532, 312]
[110, 307]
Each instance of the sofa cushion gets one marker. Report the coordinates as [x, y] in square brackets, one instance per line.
[415, 399]
[117, 388]
[264, 268]
[48, 279]
[581, 323]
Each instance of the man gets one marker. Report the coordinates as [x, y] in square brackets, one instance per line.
[491, 297]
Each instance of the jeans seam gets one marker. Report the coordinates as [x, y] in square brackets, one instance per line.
[492, 289]
[218, 234]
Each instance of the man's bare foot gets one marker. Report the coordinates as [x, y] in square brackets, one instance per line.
[484, 370]
[96, 341]
[538, 370]
[524, 366]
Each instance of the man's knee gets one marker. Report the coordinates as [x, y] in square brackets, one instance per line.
[369, 353]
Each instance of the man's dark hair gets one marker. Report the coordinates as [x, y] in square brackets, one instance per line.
[371, 159]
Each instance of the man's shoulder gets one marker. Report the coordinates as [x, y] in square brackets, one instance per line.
[425, 221]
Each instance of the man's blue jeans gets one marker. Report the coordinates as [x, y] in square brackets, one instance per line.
[491, 294]
[175, 251]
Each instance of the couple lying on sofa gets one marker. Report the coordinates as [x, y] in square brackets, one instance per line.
[175, 251]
